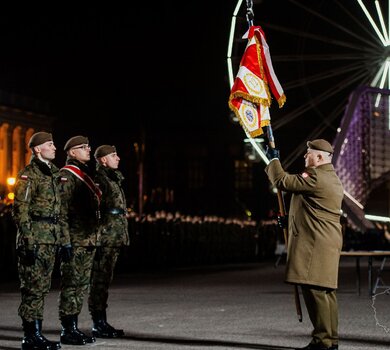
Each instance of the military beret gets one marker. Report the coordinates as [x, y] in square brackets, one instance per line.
[39, 138]
[320, 145]
[103, 150]
[75, 141]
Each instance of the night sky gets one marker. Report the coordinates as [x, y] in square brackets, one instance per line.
[145, 63]
[160, 64]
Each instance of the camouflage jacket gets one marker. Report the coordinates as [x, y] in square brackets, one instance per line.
[80, 207]
[114, 225]
[37, 204]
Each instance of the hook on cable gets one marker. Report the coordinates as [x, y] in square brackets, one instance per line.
[250, 15]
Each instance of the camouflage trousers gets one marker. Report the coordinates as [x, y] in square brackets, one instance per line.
[75, 281]
[102, 275]
[35, 282]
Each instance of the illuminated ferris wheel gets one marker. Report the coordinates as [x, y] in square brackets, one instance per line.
[321, 51]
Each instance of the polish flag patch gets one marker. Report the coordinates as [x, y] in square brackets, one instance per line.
[64, 179]
[305, 175]
[23, 177]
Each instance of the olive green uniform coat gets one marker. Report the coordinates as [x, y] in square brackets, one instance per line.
[80, 208]
[113, 208]
[315, 236]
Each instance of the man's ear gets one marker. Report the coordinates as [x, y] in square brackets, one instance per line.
[37, 149]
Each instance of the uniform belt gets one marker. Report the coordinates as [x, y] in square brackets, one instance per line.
[115, 211]
[49, 219]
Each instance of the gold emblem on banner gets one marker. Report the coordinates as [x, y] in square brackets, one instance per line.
[253, 84]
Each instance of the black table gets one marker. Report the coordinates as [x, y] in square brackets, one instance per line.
[370, 255]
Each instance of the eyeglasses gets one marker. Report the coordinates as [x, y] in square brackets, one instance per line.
[84, 147]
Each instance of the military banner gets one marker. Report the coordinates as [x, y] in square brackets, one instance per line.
[250, 96]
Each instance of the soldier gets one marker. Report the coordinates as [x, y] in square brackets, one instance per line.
[315, 238]
[114, 234]
[36, 210]
[80, 212]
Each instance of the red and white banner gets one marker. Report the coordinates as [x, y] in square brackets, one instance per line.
[250, 96]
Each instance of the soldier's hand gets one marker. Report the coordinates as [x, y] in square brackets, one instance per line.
[66, 253]
[27, 256]
[283, 221]
[272, 153]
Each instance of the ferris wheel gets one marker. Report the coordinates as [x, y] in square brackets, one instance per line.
[321, 51]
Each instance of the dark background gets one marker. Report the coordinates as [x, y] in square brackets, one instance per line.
[155, 73]
[150, 64]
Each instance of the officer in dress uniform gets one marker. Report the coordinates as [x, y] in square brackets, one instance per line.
[315, 237]
[80, 212]
[36, 211]
[114, 234]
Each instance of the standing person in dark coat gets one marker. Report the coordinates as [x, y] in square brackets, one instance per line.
[315, 236]
[80, 198]
[114, 235]
[36, 211]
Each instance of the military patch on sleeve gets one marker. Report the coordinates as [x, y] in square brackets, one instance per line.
[23, 177]
[64, 179]
[305, 175]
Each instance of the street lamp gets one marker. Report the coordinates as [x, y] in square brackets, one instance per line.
[10, 184]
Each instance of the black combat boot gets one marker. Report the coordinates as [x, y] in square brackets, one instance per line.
[71, 334]
[34, 340]
[102, 329]
[54, 345]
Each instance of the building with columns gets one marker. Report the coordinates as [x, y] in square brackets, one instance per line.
[17, 124]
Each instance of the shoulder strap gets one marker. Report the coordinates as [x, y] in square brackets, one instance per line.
[76, 171]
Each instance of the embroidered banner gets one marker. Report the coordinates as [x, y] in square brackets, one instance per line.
[250, 96]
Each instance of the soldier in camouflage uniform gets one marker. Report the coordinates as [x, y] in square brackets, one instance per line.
[36, 210]
[114, 234]
[80, 212]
